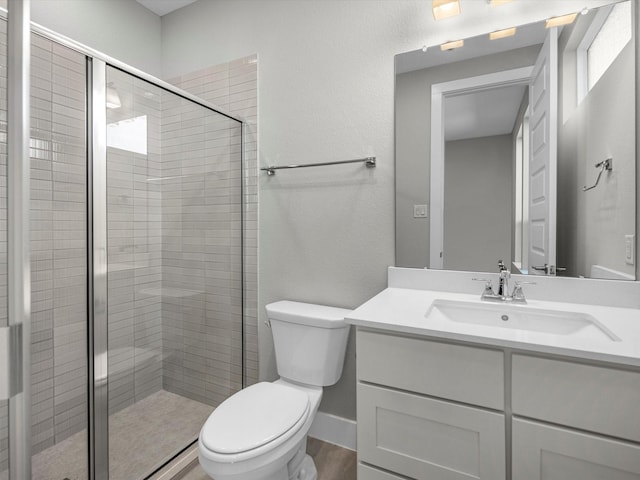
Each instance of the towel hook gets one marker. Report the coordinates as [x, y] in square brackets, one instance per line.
[603, 165]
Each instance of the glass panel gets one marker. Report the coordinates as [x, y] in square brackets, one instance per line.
[58, 262]
[4, 404]
[614, 34]
[174, 271]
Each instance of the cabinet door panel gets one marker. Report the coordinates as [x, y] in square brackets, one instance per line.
[429, 439]
[543, 452]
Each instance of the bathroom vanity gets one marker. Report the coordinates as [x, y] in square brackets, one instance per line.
[443, 397]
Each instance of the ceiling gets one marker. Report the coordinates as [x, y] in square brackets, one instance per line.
[162, 7]
[482, 114]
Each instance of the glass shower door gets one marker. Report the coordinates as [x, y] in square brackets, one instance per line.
[173, 171]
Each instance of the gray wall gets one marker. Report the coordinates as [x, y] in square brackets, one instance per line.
[326, 90]
[478, 203]
[413, 137]
[592, 225]
[123, 29]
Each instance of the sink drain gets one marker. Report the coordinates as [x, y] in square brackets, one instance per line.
[504, 318]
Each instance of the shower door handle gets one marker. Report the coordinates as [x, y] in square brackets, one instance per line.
[10, 361]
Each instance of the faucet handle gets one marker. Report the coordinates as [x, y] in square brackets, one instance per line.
[518, 294]
[488, 285]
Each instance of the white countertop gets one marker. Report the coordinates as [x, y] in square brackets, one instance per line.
[403, 310]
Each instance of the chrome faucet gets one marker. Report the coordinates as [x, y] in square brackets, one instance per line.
[503, 295]
[505, 275]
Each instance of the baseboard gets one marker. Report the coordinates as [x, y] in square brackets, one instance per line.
[333, 429]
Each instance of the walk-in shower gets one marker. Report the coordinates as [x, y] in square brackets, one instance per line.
[136, 265]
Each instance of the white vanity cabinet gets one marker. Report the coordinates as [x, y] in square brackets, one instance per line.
[434, 410]
[429, 410]
[578, 421]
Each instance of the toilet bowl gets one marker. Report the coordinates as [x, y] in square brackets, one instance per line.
[260, 433]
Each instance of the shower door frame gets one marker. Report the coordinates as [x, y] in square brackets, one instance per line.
[98, 408]
[18, 240]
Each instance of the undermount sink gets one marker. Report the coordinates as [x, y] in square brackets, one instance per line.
[519, 317]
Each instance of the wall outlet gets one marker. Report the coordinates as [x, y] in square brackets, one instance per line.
[629, 249]
[420, 211]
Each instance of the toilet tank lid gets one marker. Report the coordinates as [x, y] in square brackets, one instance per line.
[320, 316]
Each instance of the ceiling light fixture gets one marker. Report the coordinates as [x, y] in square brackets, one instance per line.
[494, 3]
[445, 8]
[507, 32]
[112, 98]
[562, 20]
[452, 45]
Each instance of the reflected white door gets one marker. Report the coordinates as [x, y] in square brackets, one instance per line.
[543, 94]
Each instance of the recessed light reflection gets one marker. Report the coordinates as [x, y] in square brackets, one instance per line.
[452, 45]
[562, 20]
[507, 32]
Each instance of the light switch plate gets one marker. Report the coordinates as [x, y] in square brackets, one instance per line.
[629, 249]
[420, 211]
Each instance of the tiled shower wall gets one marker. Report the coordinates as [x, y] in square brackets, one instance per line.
[201, 248]
[58, 243]
[232, 87]
[134, 247]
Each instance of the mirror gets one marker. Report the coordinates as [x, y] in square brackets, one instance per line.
[499, 141]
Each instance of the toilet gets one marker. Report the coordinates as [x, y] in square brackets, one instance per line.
[260, 433]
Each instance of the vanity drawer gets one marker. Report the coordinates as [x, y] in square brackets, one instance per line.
[428, 439]
[466, 374]
[597, 399]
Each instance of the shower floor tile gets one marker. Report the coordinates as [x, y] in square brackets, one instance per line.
[142, 436]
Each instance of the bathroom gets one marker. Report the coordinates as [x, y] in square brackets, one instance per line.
[325, 92]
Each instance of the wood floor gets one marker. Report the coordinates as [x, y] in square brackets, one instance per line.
[332, 462]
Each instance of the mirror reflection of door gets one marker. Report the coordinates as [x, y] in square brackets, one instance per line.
[492, 188]
[542, 199]
[520, 263]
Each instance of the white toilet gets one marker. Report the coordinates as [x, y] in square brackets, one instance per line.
[261, 431]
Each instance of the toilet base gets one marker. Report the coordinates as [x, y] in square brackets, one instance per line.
[307, 470]
[301, 466]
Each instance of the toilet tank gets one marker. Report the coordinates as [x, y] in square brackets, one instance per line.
[309, 341]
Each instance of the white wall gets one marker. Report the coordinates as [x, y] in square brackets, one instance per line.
[122, 29]
[326, 92]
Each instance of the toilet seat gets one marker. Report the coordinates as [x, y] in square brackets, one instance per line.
[262, 415]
